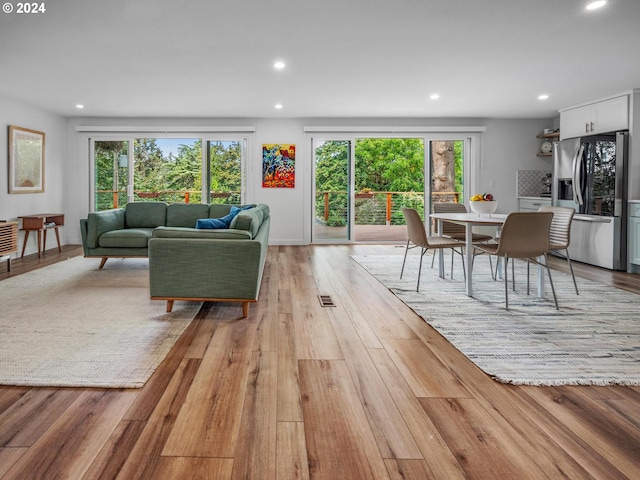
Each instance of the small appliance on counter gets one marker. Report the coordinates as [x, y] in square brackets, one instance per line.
[546, 185]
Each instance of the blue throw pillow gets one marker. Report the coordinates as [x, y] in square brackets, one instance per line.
[236, 210]
[211, 223]
[222, 222]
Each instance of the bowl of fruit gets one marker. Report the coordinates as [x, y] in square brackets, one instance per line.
[483, 203]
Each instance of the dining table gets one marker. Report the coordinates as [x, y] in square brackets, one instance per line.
[470, 220]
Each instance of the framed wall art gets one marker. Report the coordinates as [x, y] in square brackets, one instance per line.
[278, 165]
[26, 160]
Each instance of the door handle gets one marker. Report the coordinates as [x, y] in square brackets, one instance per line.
[592, 219]
[577, 187]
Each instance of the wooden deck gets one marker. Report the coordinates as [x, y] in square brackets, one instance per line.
[364, 233]
[367, 233]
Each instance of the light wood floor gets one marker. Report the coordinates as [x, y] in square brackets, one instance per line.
[363, 390]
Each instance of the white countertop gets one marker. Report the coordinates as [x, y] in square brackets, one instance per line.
[540, 198]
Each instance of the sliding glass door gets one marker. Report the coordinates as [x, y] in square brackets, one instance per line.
[361, 184]
[332, 187]
[389, 175]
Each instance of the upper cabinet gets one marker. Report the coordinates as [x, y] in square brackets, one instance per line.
[599, 117]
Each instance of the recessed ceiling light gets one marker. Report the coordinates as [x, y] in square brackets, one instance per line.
[79, 106]
[434, 96]
[279, 65]
[597, 4]
[278, 106]
[544, 96]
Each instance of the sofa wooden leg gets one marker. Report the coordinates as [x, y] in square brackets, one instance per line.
[245, 309]
[102, 262]
[169, 305]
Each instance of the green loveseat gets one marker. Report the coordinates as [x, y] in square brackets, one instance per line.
[185, 263]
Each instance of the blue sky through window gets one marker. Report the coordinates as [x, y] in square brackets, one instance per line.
[171, 145]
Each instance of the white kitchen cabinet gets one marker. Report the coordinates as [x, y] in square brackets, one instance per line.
[634, 233]
[599, 117]
[532, 204]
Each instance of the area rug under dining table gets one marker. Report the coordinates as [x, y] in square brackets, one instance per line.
[73, 325]
[594, 339]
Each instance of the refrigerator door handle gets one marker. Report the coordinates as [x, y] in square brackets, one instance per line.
[592, 218]
[577, 187]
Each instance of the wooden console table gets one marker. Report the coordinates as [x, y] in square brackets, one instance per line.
[8, 240]
[41, 222]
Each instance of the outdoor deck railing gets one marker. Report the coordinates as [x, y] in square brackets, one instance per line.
[166, 195]
[383, 205]
[392, 202]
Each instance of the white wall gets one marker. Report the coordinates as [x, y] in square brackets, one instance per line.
[52, 200]
[507, 146]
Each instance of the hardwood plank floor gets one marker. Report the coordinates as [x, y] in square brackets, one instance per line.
[362, 390]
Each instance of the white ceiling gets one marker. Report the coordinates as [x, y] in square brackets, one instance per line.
[345, 58]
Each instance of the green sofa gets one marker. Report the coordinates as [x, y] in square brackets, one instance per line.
[185, 263]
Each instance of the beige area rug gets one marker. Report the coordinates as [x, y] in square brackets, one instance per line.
[594, 339]
[72, 325]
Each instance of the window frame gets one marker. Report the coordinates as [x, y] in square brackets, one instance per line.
[129, 134]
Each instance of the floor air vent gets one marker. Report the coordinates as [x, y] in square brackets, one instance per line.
[326, 301]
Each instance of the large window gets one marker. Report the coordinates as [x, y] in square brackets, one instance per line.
[168, 169]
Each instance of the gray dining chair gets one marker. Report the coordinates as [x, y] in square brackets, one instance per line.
[524, 236]
[560, 234]
[458, 231]
[418, 237]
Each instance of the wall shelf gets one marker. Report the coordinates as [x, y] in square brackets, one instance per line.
[547, 136]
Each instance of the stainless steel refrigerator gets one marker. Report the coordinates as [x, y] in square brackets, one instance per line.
[589, 176]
